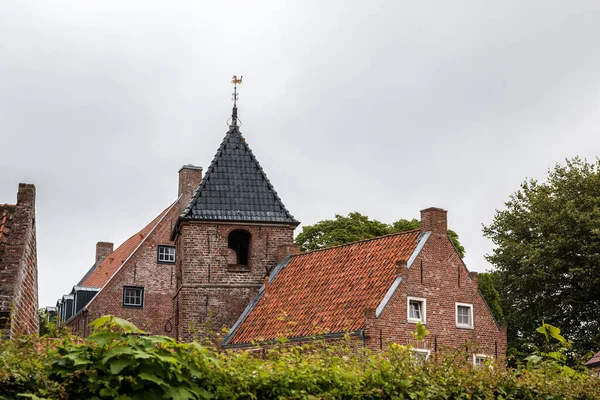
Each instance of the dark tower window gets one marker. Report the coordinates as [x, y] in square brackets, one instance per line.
[4, 321]
[239, 242]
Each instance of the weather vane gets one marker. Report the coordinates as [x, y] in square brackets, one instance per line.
[235, 82]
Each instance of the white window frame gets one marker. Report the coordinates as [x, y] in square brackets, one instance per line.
[423, 302]
[141, 289]
[484, 356]
[165, 260]
[471, 316]
[415, 353]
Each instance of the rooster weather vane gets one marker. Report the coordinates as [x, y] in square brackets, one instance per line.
[235, 82]
[234, 97]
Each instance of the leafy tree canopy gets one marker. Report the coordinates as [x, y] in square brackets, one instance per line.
[547, 256]
[490, 294]
[355, 226]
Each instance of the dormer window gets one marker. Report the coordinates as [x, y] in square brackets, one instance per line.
[239, 241]
[166, 254]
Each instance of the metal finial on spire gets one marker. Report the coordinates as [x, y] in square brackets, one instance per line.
[235, 82]
[234, 97]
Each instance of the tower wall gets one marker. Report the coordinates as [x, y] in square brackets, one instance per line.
[212, 290]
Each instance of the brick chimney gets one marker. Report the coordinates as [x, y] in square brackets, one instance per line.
[287, 250]
[189, 179]
[434, 220]
[103, 249]
[26, 195]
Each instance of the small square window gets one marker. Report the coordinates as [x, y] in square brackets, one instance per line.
[479, 360]
[166, 254]
[416, 309]
[464, 315]
[133, 296]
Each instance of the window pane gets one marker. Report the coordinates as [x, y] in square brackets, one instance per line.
[166, 253]
[464, 315]
[415, 309]
[133, 297]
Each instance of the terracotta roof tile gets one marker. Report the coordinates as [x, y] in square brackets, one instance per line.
[326, 291]
[101, 273]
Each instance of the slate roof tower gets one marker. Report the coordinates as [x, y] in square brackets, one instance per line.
[235, 187]
[231, 235]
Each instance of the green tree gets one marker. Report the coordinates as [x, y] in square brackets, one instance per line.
[490, 294]
[44, 325]
[547, 256]
[355, 226]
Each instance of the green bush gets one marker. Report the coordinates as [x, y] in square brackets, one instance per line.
[23, 368]
[120, 362]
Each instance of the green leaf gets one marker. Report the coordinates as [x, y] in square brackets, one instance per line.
[103, 337]
[118, 351]
[420, 332]
[117, 366]
[555, 333]
[101, 321]
[151, 378]
[179, 393]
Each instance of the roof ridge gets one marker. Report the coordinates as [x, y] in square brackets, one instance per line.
[357, 241]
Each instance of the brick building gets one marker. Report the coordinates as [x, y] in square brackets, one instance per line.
[376, 291]
[136, 281]
[18, 265]
[231, 235]
[230, 230]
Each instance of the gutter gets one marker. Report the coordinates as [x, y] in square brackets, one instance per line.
[296, 339]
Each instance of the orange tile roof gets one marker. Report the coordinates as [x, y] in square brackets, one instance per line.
[100, 275]
[326, 291]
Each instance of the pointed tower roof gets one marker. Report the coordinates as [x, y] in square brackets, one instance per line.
[235, 187]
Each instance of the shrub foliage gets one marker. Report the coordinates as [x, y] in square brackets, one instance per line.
[118, 361]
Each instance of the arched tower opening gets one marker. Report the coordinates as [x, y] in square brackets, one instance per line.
[239, 241]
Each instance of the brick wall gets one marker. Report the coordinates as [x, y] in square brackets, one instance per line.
[439, 276]
[142, 269]
[212, 293]
[18, 275]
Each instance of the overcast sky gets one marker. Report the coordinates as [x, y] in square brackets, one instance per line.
[381, 107]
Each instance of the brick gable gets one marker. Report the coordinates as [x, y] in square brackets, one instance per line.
[439, 276]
